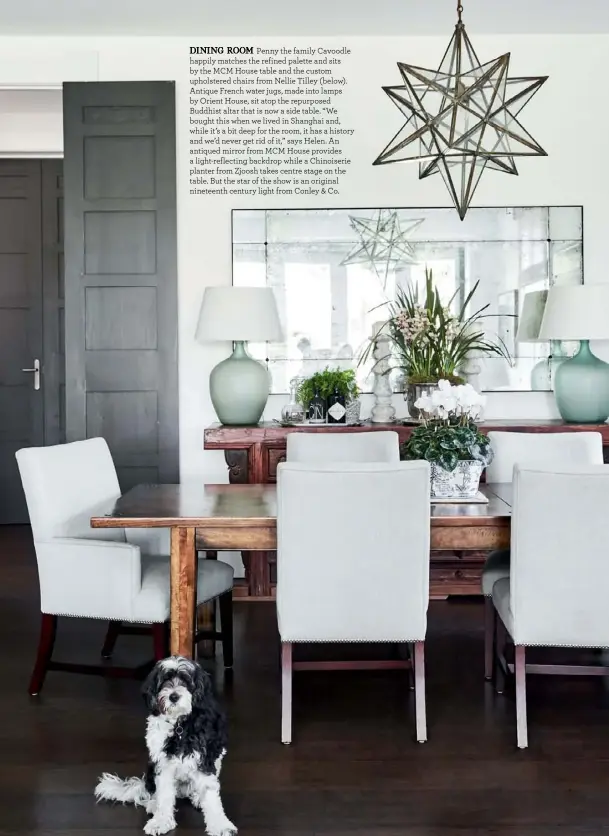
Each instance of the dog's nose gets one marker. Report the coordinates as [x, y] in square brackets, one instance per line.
[174, 697]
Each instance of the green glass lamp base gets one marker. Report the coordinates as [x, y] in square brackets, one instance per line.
[239, 388]
[581, 388]
[543, 373]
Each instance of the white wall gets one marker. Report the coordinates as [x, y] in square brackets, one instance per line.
[566, 117]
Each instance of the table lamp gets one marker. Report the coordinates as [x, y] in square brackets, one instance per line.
[529, 325]
[581, 384]
[239, 386]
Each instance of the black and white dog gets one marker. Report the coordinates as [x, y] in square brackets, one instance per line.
[186, 740]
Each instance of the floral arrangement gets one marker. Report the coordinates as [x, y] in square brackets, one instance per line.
[430, 341]
[448, 433]
[326, 382]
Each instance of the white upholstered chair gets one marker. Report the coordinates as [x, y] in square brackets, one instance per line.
[116, 575]
[556, 595]
[381, 446]
[544, 449]
[364, 528]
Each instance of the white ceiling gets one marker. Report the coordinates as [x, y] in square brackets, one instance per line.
[208, 18]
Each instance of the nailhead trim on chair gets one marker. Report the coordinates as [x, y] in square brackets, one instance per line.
[392, 640]
[96, 617]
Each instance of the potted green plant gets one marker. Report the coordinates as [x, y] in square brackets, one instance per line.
[449, 439]
[326, 383]
[430, 342]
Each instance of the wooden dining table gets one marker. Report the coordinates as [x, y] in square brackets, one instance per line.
[244, 518]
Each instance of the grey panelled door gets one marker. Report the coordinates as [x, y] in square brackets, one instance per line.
[31, 319]
[21, 397]
[121, 273]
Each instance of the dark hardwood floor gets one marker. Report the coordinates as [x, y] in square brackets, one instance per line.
[353, 767]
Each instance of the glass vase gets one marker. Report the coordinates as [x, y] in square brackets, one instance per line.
[293, 412]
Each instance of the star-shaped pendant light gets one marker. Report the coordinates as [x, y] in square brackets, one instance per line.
[462, 118]
[382, 242]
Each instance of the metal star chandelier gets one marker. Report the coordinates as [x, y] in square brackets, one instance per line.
[462, 118]
[383, 242]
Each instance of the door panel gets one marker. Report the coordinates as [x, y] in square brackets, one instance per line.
[121, 273]
[53, 380]
[21, 405]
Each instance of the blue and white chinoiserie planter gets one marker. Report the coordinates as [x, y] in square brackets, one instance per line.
[463, 481]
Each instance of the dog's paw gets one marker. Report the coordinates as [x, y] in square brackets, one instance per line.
[158, 825]
[151, 807]
[226, 828]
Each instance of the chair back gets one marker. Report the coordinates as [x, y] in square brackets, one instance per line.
[560, 556]
[353, 551]
[541, 449]
[381, 446]
[65, 485]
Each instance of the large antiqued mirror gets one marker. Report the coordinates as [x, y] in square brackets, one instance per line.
[334, 270]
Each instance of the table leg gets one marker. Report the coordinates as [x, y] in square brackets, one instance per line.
[258, 574]
[183, 591]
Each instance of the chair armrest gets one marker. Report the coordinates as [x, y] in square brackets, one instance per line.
[152, 541]
[88, 578]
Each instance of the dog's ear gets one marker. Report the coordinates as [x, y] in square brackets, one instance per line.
[150, 690]
[202, 687]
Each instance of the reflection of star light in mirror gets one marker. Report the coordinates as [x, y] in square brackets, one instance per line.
[383, 242]
[461, 118]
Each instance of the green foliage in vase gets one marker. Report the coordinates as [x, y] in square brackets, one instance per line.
[430, 342]
[326, 383]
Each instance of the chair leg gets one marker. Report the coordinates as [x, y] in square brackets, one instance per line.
[419, 691]
[167, 638]
[404, 652]
[520, 672]
[286, 692]
[490, 617]
[225, 603]
[500, 644]
[159, 638]
[112, 634]
[48, 631]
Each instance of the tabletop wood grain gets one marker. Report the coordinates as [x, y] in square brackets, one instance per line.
[235, 506]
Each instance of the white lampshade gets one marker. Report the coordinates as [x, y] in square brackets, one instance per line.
[529, 323]
[576, 312]
[239, 313]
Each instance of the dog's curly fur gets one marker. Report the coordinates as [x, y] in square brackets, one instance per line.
[186, 738]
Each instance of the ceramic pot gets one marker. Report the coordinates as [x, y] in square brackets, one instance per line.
[463, 481]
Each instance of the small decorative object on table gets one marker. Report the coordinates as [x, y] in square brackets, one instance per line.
[330, 389]
[293, 412]
[316, 410]
[383, 411]
[337, 412]
[432, 341]
[450, 441]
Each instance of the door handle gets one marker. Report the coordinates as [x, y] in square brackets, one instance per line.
[36, 372]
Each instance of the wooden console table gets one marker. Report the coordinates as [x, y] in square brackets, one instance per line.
[253, 453]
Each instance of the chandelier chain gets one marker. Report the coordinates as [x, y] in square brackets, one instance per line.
[459, 10]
